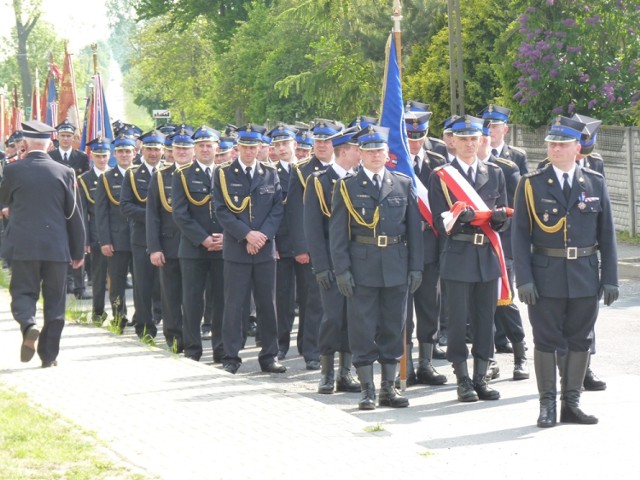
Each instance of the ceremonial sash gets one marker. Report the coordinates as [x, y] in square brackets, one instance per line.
[466, 193]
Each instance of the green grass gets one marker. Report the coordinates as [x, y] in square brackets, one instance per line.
[374, 428]
[77, 312]
[35, 444]
[625, 237]
[136, 114]
[5, 277]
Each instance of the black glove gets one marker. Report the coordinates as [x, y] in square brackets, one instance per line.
[325, 279]
[610, 292]
[468, 215]
[345, 283]
[528, 294]
[499, 215]
[414, 280]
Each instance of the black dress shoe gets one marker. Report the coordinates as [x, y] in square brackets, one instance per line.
[504, 348]
[49, 364]
[439, 353]
[313, 365]
[28, 348]
[281, 355]
[592, 383]
[253, 327]
[83, 295]
[274, 367]
[442, 340]
[231, 367]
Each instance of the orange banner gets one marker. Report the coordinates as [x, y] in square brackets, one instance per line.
[68, 104]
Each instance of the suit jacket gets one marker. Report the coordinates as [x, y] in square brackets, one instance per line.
[511, 174]
[41, 194]
[317, 212]
[460, 260]
[374, 266]
[431, 161]
[517, 156]
[284, 241]
[112, 225]
[294, 211]
[163, 234]
[436, 145]
[264, 214]
[190, 186]
[78, 160]
[589, 222]
[88, 183]
[133, 202]
[593, 161]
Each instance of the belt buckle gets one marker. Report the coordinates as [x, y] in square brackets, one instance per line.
[572, 253]
[478, 238]
[382, 241]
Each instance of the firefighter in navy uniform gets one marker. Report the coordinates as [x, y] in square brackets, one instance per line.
[317, 213]
[562, 219]
[469, 260]
[376, 246]
[427, 298]
[201, 243]
[163, 237]
[430, 144]
[499, 116]
[88, 182]
[309, 296]
[248, 205]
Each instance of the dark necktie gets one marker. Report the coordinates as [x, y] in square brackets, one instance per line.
[208, 172]
[248, 173]
[416, 165]
[470, 176]
[566, 188]
[65, 158]
[494, 152]
[153, 170]
[376, 181]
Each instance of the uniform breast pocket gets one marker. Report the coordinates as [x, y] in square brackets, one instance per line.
[592, 206]
[267, 190]
[365, 207]
[490, 198]
[199, 189]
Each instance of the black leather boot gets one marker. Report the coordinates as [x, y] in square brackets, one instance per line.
[346, 382]
[545, 367]
[367, 387]
[520, 367]
[466, 392]
[327, 376]
[480, 385]
[389, 396]
[575, 369]
[426, 374]
[411, 371]
[591, 381]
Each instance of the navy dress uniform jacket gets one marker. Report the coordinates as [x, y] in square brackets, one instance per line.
[38, 229]
[511, 174]
[370, 265]
[284, 240]
[163, 234]
[196, 220]
[88, 183]
[264, 213]
[112, 226]
[432, 161]
[460, 260]
[589, 222]
[317, 203]
[78, 160]
[133, 202]
[517, 156]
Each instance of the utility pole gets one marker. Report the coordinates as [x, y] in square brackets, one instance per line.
[456, 75]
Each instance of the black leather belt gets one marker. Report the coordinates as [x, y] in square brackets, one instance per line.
[380, 240]
[475, 238]
[570, 253]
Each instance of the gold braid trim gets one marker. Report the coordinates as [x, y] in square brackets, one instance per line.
[562, 223]
[134, 187]
[320, 192]
[86, 190]
[445, 191]
[108, 189]
[227, 199]
[189, 197]
[163, 196]
[301, 178]
[359, 220]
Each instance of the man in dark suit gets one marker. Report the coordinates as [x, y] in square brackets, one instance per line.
[88, 182]
[43, 237]
[113, 228]
[499, 116]
[248, 204]
[309, 298]
[317, 213]
[377, 252]
[201, 242]
[427, 297]
[133, 203]
[470, 264]
[562, 219]
[163, 238]
[79, 162]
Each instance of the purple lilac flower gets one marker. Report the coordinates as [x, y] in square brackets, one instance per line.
[569, 22]
[593, 20]
[571, 108]
[592, 104]
[557, 110]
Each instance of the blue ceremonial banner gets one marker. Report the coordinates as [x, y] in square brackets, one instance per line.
[392, 117]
